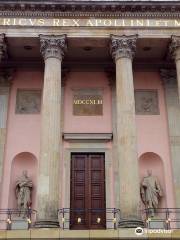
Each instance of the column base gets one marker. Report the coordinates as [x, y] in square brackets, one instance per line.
[130, 223]
[46, 224]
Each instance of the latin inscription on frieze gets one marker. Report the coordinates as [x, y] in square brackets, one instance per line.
[88, 102]
[146, 102]
[91, 22]
[28, 101]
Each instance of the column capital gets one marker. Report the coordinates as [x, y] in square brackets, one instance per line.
[3, 47]
[174, 47]
[53, 46]
[123, 46]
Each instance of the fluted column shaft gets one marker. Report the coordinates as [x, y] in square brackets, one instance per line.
[52, 48]
[173, 117]
[174, 49]
[123, 49]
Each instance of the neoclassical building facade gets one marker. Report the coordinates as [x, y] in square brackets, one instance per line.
[89, 119]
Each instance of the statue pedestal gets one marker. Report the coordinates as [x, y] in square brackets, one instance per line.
[157, 223]
[19, 223]
[46, 224]
[130, 223]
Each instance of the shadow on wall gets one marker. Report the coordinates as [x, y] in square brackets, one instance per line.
[153, 162]
[23, 161]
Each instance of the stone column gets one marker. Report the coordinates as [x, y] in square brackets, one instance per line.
[5, 78]
[52, 49]
[122, 50]
[174, 50]
[173, 114]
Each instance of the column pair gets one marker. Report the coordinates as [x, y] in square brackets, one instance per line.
[123, 50]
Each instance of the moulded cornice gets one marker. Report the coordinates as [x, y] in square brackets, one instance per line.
[88, 136]
[127, 14]
[63, 8]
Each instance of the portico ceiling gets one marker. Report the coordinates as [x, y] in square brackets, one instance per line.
[86, 50]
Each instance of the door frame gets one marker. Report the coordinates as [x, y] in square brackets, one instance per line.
[88, 148]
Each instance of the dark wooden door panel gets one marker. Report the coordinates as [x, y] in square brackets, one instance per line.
[88, 191]
[97, 186]
[78, 192]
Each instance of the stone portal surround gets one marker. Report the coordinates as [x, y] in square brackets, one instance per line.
[122, 49]
[96, 146]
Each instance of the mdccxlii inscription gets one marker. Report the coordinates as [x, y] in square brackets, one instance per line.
[87, 102]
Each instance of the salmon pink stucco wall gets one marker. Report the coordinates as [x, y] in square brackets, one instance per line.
[23, 134]
[153, 137]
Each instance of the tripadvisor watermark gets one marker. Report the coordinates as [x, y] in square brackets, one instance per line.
[140, 231]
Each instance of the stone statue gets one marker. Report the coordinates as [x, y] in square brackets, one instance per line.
[151, 192]
[23, 191]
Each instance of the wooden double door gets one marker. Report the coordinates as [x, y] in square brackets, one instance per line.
[88, 191]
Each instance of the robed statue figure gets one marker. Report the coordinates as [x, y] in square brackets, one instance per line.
[151, 192]
[23, 191]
